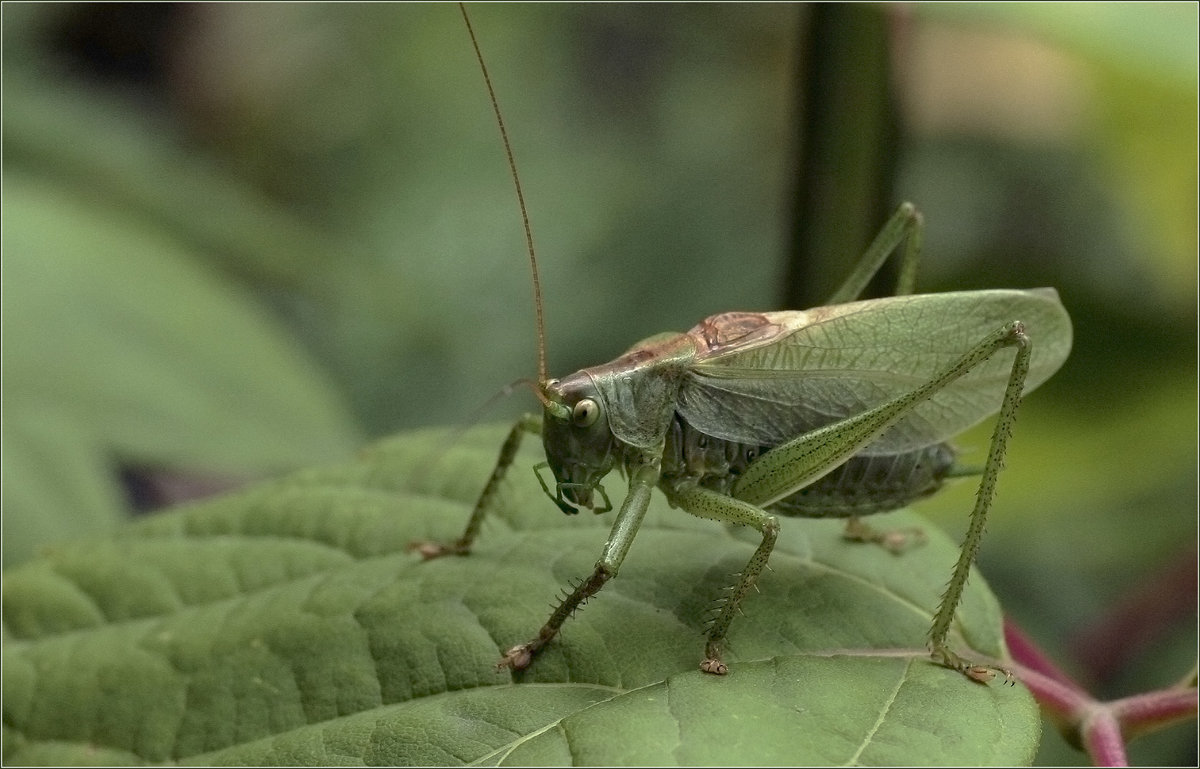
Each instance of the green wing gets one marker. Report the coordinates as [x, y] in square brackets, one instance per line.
[829, 363]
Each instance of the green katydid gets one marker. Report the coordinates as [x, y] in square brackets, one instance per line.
[838, 411]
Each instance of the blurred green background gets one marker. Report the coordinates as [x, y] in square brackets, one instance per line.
[242, 238]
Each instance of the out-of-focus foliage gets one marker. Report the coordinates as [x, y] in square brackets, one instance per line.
[334, 172]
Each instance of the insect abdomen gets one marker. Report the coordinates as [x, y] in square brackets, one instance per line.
[872, 484]
[861, 486]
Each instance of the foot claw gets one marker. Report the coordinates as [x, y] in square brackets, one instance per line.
[428, 550]
[982, 674]
[895, 541]
[516, 658]
[985, 673]
[899, 540]
[714, 666]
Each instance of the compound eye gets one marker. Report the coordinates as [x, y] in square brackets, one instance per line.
[585, 413]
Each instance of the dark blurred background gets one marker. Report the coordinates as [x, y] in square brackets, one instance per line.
[240, 238]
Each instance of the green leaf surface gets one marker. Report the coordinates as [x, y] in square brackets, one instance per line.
[286, 624]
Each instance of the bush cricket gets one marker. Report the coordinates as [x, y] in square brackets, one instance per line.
[841, 410]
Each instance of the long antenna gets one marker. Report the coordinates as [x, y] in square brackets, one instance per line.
[512, 165]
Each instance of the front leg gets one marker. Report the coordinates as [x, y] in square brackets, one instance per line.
[529, 423]
[642, 480]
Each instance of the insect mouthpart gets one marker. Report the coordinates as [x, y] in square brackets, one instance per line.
[570, 496]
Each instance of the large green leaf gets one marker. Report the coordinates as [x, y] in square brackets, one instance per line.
[287, 624]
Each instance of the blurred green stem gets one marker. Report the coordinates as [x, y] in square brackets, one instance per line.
[846, 142]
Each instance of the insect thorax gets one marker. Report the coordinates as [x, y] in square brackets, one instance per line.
[863, 485]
